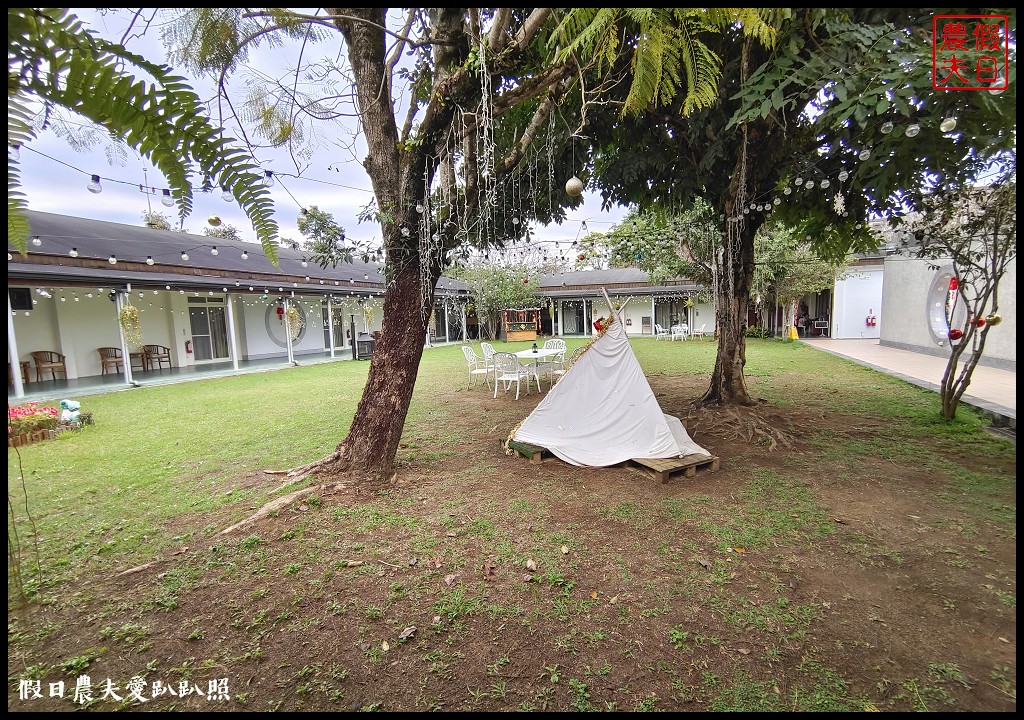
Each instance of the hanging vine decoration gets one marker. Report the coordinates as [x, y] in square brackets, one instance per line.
[131, 326]
[294, 320]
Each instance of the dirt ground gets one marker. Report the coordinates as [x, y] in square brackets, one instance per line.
[798, 576]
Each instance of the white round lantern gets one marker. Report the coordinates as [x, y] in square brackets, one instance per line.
[574, 186]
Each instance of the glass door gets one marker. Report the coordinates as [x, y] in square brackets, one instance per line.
[208, 323]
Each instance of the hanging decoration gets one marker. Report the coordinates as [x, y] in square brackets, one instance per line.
[294, 320]
[574, 186]
[131, 326]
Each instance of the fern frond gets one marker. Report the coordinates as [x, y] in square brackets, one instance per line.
[60, 63]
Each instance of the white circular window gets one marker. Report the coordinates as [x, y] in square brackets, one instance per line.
[944, 303]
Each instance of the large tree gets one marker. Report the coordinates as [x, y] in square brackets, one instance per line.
[471, 148]
[818, 104]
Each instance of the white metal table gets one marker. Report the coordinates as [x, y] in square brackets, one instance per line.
[530, 356]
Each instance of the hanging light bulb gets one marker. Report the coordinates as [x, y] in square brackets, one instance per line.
[777, 201]
[167, 200]
[226, 196]
[213, 220]
[798, 182]
[245, 255]
[809, 185]
[214, 251]
[574, 186]
[825, 183]
[787, 191]
[912, 130]
[94, 184]
[149, 259]
[14, 152]
[864, 154]
[268, 178]
[843, 175]
[112, 260]
[405, 232]
[74, 252]
[948, 125]
[184, 255]
[36, 240]
[304, 263]
[419, 208]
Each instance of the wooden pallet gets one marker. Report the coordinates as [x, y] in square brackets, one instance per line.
[664, 468]
[537, 455]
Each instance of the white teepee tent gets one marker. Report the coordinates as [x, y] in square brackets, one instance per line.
[603, 412]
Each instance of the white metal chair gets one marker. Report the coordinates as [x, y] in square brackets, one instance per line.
[554, 366]
[660, 332]
[475, 363]
[679, 332]
[699, 332]
[487, 350]
[508, 370]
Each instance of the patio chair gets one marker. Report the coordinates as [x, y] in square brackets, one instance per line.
[487, 350]
[47, 361]
[554, 366]
[660, 332]
[111, 358]
[157, 354]
[679, 332]
[508, 370]
[476, 366]
[699, 332]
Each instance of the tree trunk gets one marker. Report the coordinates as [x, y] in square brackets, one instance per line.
[371, 444]
[735, 275]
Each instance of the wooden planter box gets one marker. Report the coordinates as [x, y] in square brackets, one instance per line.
[517, 335]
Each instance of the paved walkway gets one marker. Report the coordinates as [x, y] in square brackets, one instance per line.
[991, 389]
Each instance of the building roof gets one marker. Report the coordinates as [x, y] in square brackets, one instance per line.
[149, 257]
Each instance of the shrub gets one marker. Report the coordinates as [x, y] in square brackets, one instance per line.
[23, 419]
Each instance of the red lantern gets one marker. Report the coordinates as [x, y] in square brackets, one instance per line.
[954, 284]
[582, 256]
[526, 281]
[280, 311]
[956, 334]
[980, 322]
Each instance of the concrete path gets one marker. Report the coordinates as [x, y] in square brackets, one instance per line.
[991, 389]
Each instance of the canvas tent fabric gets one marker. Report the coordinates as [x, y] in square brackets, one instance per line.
[603, 412]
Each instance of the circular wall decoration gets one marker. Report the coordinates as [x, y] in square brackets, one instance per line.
[941, 301]
[274, 322]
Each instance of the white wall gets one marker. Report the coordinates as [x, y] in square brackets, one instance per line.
[857, 294]
[37, 330]
[908, 282]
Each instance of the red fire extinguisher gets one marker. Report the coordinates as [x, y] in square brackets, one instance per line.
[188, 347]
[870, 320]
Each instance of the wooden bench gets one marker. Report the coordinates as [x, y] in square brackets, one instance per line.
[537, 455]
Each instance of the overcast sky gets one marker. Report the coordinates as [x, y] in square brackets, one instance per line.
[55, 176]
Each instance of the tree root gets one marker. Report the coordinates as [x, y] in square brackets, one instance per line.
[279, 504]
[739, 423]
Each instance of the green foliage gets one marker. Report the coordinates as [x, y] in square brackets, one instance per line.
[498, 288]
[54, 60]
[325, 238]
[665, 45]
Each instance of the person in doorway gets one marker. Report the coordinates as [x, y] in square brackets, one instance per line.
[802, 321]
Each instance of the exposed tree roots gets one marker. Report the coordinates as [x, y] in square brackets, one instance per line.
[279, 504]
[738, 423]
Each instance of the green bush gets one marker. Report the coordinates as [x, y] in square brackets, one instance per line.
[758, 332]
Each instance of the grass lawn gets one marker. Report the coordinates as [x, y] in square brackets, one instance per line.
[854, 552]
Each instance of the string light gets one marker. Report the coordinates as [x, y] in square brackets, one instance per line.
[149, 259]
[167, 200]
[214, 251]
[245, 255]
[184, 255]
[268, 178]
[226, 196]
[112, 260]
[36, 240]
[94, 185]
